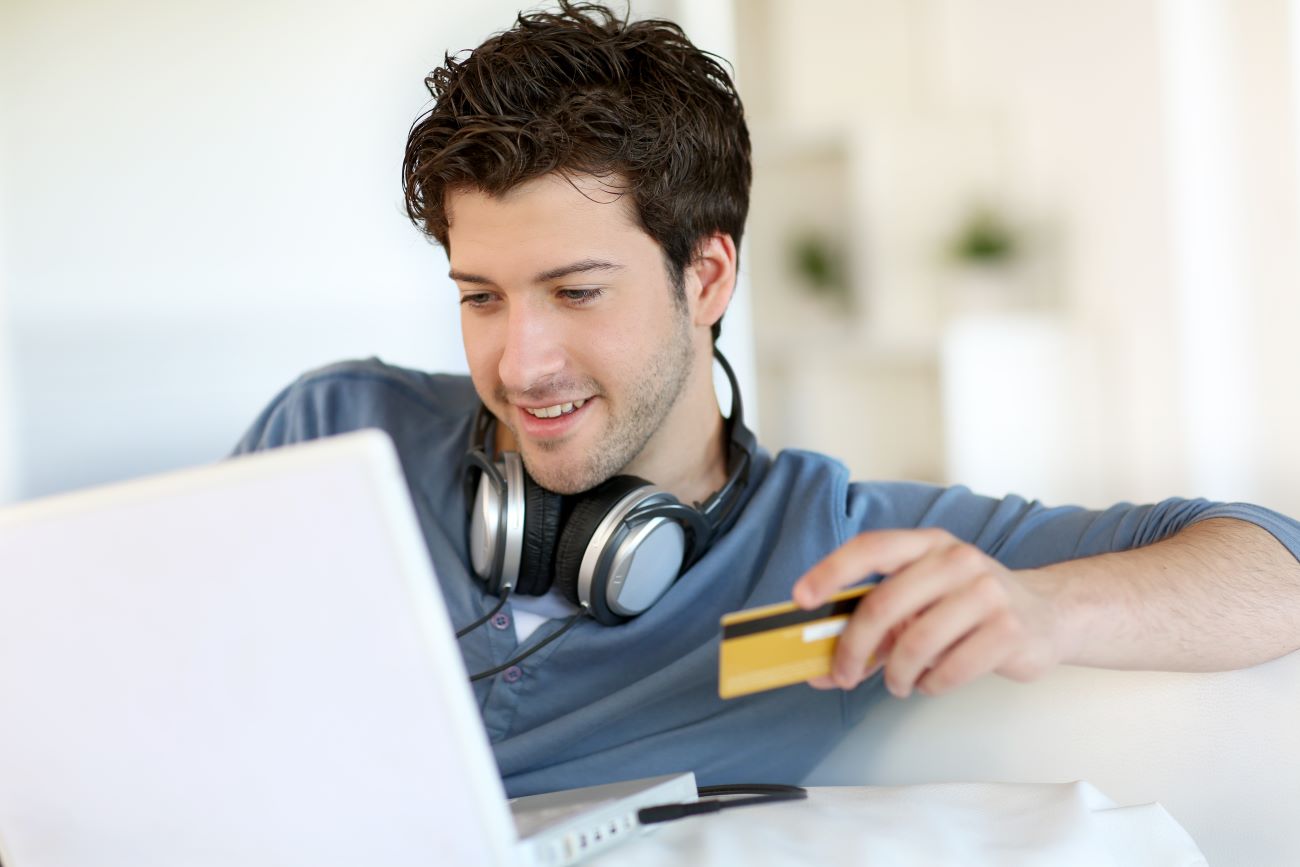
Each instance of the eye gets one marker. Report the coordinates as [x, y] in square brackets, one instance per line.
[579, 297]
[476, 299]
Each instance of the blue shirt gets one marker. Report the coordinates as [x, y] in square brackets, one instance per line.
[608, 703]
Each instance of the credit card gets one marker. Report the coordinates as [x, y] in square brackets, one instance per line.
[777, 645]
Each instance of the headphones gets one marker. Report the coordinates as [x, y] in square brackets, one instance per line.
[613, 550]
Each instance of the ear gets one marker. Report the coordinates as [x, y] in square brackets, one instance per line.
[710, 278]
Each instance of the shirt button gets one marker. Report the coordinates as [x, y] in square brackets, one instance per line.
[512, 674]
[501, 621]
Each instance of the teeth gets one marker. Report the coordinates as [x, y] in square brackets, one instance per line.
[556, 411]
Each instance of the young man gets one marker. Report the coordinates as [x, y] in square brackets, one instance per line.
[589, 181]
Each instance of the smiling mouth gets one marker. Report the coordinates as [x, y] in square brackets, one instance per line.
[555, 411]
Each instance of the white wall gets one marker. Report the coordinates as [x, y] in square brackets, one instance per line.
[203, 200]
[1265, 47]
[1079, 89]
[8, 483]
[8, 468]
[1148, 151]
[711, 25]
[1164, 135]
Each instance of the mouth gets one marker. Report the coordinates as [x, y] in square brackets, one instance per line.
[555, 411]
[549, 422]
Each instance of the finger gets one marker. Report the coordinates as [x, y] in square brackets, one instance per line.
[922, 644]
[887, 643]
[873, 552]
[828, 681]
[975, 655]
[901, 596]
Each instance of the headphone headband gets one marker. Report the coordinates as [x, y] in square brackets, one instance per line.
[720, 509]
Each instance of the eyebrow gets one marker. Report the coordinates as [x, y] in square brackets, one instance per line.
[582, 267]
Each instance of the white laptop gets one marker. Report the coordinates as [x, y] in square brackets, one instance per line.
[250, 664]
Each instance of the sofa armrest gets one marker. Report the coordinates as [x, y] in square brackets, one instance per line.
[1220, 751]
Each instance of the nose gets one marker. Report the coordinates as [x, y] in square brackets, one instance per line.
[533, 351]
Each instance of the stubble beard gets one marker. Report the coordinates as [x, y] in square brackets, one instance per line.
[645, 407]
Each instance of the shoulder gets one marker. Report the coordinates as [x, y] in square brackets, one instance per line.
[814, 474]
[798, 488]
[808, 471]
[350, 395]
[374, 380]
[810, 478]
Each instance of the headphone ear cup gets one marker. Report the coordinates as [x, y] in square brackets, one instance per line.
[585, 518]
[541, 527]
[486, 498]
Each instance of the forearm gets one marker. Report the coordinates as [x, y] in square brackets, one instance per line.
[1220, 594]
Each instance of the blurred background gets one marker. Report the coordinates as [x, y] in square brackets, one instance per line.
[1038, 246]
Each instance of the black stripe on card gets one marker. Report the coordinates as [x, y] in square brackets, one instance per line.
[790, 618]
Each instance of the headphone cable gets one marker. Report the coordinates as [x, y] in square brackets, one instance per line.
[506, 588]
[758, 793]
[521, 657]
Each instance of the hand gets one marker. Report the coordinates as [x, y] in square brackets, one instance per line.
[945, 613]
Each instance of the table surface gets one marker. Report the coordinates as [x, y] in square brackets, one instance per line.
[951, 823]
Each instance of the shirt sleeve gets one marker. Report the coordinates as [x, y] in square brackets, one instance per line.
[280, 423]
[335, 399]
[1023, 534]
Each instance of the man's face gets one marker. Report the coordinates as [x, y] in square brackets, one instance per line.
[574, 335]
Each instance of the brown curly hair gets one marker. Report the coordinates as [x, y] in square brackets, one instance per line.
[581, 91]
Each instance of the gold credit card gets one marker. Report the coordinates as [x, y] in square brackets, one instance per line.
[777, 645]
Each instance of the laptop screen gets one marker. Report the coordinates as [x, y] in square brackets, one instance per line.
[242, 664]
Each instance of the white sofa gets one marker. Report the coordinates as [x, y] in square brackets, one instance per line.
[1220, 751]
